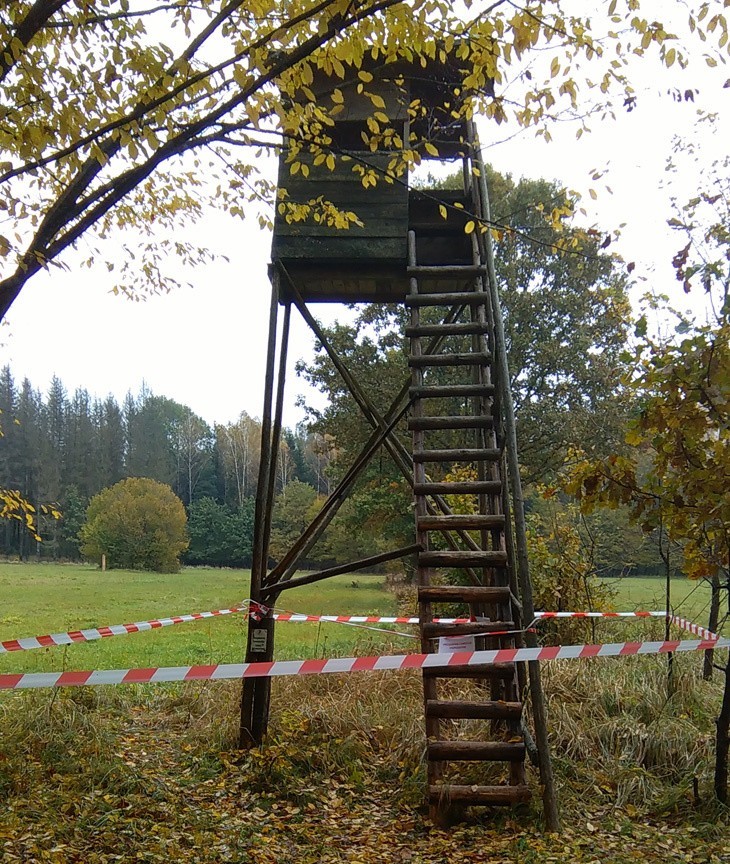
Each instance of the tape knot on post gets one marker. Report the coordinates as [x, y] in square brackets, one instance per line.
[257, 611]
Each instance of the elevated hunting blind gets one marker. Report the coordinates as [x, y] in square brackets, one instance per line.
[367, 261]
[430, 250]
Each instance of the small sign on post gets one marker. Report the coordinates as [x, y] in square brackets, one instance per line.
[259, 640]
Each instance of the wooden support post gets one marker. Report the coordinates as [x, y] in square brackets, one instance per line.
[550, 802]
[260, 643]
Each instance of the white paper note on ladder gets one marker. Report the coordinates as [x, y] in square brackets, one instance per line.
[452, 644]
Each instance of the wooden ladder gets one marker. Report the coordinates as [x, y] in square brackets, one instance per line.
[477, 542]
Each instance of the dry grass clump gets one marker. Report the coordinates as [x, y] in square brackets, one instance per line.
[618, 728]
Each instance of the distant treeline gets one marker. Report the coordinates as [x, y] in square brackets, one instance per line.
[64, 448]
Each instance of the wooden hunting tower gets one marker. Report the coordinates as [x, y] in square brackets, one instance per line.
[428, 249]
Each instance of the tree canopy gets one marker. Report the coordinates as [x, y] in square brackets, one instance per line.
[137, 523]
[139, 116]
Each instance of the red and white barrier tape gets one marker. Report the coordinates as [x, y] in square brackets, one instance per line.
[702, 632]
[93, 633]
[278, 668]
[374, 619]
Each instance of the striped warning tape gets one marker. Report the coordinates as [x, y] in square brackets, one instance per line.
[223, 671]
[91, 634]
[373, 619]
[690, 626]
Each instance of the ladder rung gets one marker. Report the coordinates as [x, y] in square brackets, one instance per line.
[466, 328]
[461, 454]
[461, 709]
[438, 391]
[491, 671]
[420, 424]
[474, 359]
[488, 796]
[440, 270]
[476, 751]
[465, 487]
[463, 559]
[473, 628]
[488, 521]
[457, 298]
[463, 594]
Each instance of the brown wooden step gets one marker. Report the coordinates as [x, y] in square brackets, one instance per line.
[475, 751]
[466, 487]
[486, 796]
[441, 391]
[458, 454]
[469, 628]
[469, 359]
[489, 671]
[422, 424]
[463, 594]
[441, 271]
[460, 709]
[455, 298]
[478, 521]
[460, 558]
[460, 328]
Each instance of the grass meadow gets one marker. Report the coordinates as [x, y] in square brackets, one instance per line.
[36, 599]
[152, 772]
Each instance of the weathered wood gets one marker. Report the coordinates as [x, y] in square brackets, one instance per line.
[254, 696]
[463, 298]
[471, 359]
[465, 487]
[463, 559]
[434, 630]
[476, 751]
[445, 391]
[458, 454]
[466, 328]
[451, 422]
[461, 709]
[550, 800]
[489, 671]
[458, 271]
[342, 248]
[483, 521]
[486, 594]
[494, 796]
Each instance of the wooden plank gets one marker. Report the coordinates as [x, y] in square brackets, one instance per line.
[455, 298]
[451, 422]
[488, 796]
[434, 631]
[373, 228]
[462, 709]
[320, 249]
[463, 559]
[470, 359]
[476, 751]
[470, 328]
[438, 391]
[463, 593]
[467, 487]
[484, 521]
[458, 454]
[489, 671]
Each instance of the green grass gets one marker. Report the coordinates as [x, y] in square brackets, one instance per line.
[688, 599]
[47, 598]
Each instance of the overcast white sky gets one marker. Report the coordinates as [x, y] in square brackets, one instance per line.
[205, 346]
